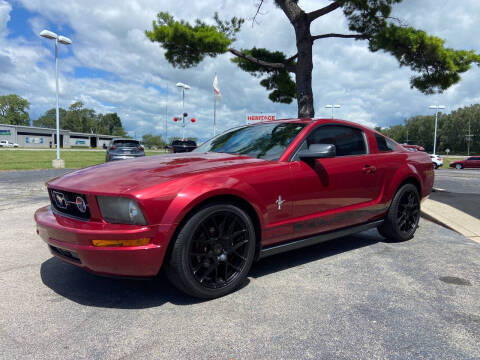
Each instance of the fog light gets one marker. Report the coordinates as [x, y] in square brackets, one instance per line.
[134, 242]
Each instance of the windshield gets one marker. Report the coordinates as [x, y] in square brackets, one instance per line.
[264, 141]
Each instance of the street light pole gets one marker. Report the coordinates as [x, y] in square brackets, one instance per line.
[66, 41]
[436, 107]
[332, 107]
[184, 87]
[57, 115]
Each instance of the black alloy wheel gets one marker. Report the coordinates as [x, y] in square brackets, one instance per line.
[408, 212]
[219, 249]
[213, 251]
[403, 215]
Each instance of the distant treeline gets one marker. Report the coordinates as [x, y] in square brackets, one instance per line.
[13, 110]
[451, 133]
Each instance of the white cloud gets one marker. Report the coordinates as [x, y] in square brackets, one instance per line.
[108, 36]
[5, 9]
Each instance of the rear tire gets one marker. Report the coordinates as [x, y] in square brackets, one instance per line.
[459, 166]
[435, 166]
[213, 252]
[403, 215]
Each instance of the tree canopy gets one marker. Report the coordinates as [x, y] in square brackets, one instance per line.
[78, 118]
[435, 66]
[13, 110]
[452, 130]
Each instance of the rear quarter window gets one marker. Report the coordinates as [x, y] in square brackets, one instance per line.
[384, 144]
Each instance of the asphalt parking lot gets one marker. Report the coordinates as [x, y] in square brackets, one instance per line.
[459, 188]
[354, 298]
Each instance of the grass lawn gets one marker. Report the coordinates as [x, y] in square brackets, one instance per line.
[42, 159]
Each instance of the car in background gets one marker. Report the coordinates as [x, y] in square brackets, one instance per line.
[471, 162]
[180, 146]
[437, 161]
[121, 149]
[251, 192]
[413, 147]
[6, 143]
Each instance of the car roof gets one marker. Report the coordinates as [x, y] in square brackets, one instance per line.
[126, 139]
[315, 120]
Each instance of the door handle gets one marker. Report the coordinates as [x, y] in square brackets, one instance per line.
[368, 169]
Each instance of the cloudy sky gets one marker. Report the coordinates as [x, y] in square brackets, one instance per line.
[112, 67]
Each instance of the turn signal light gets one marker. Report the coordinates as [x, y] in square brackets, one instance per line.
[133, 242]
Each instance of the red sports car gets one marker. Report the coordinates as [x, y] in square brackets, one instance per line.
[251, 192]
[471, 162]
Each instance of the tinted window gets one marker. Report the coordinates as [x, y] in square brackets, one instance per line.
[265, 141]
[347, 140]
[126, 143]
[384, 144]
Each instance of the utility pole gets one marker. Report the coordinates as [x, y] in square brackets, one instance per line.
[469, 136]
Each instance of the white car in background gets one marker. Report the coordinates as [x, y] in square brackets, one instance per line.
[437, 161]
[6, 143]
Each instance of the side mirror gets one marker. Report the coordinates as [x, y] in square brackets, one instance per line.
[317, 151]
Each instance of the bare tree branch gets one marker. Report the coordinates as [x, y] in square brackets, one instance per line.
[323, 11]
[260, 3]
[344, 36]
[277, 66]
[291, 58]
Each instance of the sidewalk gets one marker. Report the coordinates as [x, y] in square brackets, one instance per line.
[452, 218]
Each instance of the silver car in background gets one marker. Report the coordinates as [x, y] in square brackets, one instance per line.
[121, 149]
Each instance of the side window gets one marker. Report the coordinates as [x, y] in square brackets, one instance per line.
[384, 144]
[347, 140]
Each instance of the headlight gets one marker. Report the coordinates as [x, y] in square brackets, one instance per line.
[120, 210]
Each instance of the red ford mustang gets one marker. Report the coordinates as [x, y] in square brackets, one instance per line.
[248, 193]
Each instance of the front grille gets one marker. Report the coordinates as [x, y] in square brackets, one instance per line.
[66, 253]
[65, 202]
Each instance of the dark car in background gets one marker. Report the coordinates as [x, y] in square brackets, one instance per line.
[179, 146]
[121, 149]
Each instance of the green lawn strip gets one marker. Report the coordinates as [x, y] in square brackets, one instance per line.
[42, 159]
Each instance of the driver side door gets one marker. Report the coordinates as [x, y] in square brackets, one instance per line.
[330, 193]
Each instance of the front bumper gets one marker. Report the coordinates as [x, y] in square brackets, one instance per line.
[71, 240]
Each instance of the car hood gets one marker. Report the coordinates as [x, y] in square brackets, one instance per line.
[130, 175]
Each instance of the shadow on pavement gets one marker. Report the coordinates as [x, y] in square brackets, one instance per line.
[88, 289]
[314, 253]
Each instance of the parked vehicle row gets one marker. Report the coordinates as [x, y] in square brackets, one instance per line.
[254, 191]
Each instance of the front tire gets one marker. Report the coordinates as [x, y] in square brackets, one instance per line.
[213, 252]
[435, 166]
[459, 166]
[403, 215]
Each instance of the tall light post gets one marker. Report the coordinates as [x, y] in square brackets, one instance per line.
[332, 107]
[184, 87]
[436, 107]
[66, 41]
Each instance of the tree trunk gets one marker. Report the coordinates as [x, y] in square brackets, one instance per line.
[304, 67]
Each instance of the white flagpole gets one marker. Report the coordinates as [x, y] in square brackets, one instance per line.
[214, 109]
[214, 114]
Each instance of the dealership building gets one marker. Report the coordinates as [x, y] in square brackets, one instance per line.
[37, 137]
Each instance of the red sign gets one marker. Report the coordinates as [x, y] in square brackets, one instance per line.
[261, 117]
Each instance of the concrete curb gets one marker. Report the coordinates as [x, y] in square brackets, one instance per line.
[451, 218]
